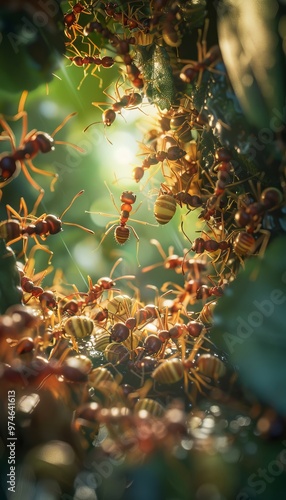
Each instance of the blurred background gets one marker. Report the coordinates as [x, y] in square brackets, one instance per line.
[110, 155]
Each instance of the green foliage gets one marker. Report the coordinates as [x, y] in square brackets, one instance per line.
[249, 324]
[10, 289]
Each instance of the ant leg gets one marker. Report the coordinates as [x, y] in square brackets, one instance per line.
[9, 132]
[37, 202]
[96, 76]
[104, 236]
[39, 171]
[137, 244]
[62, 124]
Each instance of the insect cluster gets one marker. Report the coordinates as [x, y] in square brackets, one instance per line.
[134, 377]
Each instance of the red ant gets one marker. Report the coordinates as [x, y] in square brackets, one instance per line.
[13, 230]
[127, 101]
[71, 19]
[46, 298]
[122, 48]
[122, 230]
[175, 262]
[111, 10]
[250, 215]
[31, 144]
[105, 283]
[71, 305]
[87, 61]
[173, 154]
[206, 60]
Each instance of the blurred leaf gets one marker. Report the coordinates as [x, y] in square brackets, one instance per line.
[252, 52]
[31, 43]
[10, 290]
[249, 324]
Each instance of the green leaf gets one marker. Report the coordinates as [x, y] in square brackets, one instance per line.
[249, 324]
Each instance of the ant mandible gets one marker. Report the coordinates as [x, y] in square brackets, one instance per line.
[31, 143]
[122, 230]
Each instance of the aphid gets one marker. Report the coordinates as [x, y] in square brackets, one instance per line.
[98, 375]
[164, 207]
[120, 306]
[116, 353]
[102, 340]
[13, 230]
[78, 327]
[211, 366]
[174, 369]
[206, 314]
[244, 244]
[122, 230]
[31, 144]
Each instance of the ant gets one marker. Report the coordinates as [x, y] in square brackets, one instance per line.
[128, 101]
[122, 230]
[122, 48]
[29, 282]
[103, 284]
[87, 61]
[173, 153]
[175, 262]
[13, 230]
[166, 203]
[71, 19]
[129, 20]
[206, 60]
[250, 215]
[31, 144]
[173, 369]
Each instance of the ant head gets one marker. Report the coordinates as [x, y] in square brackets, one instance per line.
[54, 224]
